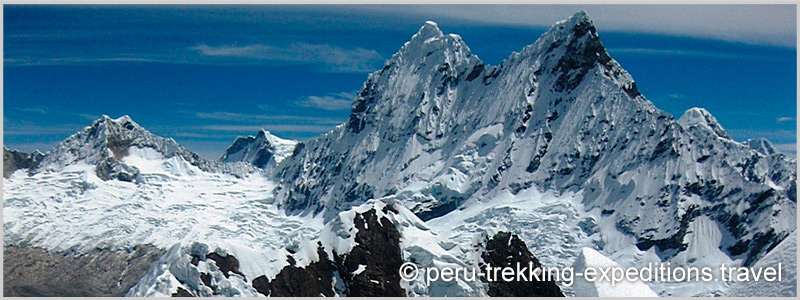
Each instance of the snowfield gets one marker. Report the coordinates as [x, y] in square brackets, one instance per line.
[174, 203]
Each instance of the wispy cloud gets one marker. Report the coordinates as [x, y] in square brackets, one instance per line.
[331, 58]
[776, 136]
[27, 129]
[774, 25]
[787, 148]
[241, 117]
[56, 61]
[323, 57]
[692, 53]
[676, 96]
[670, 97]
[337, 101]
[41, 110]
[271, 127]
[784, 119]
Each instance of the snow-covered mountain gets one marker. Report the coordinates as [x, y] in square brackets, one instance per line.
[442, 131]
[108, 141]
[550, 152]
[261, 150]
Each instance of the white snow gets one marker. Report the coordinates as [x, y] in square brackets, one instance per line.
[784, 254]
[604, 288]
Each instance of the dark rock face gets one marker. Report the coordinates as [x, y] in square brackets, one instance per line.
[313, 280]
[111, 169]
[182, 293]
[29, 271]
[506, 250]
[378, 248]
[581, 55]
[227, 264]
[16, 160]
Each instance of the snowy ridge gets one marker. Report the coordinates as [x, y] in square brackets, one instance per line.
[419, 243]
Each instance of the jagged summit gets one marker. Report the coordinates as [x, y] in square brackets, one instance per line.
[428, 30]
[429, 43]
[697, 116]
[579, 17]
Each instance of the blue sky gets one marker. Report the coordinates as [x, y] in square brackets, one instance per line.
[206, 74]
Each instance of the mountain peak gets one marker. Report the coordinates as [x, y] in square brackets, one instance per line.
[697, 116]
[112, 125]
[580, 22]
[428, 30]
[259, 150]
[579, 17]
[429, 40]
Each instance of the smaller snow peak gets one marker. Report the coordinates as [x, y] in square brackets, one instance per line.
[259, 150]
[697, 116]
[762, 145]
